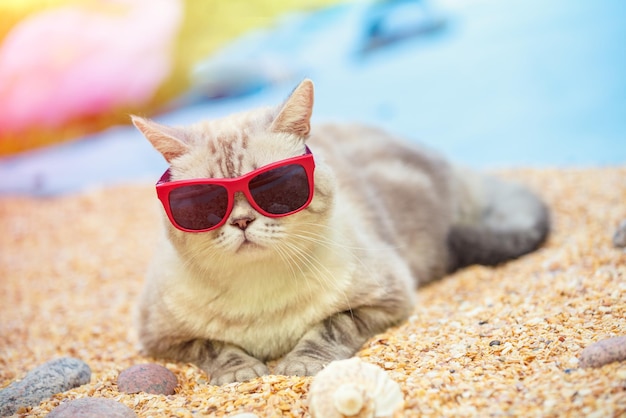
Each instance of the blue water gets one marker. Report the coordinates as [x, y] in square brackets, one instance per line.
[502, 84]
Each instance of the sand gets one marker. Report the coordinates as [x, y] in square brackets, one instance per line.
[483, 342]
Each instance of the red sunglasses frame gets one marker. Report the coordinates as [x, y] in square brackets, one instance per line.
[233, 185]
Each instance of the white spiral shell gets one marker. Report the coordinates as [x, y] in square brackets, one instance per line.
[353, 388]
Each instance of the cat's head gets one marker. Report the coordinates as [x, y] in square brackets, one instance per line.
[234, 146]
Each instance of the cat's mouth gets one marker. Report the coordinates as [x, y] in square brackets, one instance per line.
[247, 245]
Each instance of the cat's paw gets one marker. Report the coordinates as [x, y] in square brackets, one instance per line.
[301, 366]
[238, 373]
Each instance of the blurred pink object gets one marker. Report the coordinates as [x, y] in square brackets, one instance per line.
[84, 60]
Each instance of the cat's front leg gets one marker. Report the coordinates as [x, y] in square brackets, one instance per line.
[232, 364]
[336, 338]
[225, 363]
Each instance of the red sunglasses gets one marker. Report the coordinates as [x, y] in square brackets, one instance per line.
[275, 190]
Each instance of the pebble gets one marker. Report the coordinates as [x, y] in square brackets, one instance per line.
[42, 382]
[92, 408]
[149, 378]
[619, 238]
[604, 352]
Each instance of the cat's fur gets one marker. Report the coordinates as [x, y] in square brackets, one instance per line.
[312, 287]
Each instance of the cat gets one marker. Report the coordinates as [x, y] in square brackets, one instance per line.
[386, 215]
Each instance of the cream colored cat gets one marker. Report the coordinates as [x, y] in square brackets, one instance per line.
[313, 286]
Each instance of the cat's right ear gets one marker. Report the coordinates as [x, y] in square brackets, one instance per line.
[295, 115]
[168, 140]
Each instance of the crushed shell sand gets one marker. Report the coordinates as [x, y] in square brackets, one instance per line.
[71, 268]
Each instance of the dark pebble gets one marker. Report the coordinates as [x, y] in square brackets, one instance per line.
[149, 378]
[494, 342]
[619, 238]
[42, 382]
[603, 352]
[92, 408]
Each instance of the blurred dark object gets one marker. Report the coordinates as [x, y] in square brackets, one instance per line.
[390, 21]
[619, 238]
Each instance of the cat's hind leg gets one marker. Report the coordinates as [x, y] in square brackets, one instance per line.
[509, 221]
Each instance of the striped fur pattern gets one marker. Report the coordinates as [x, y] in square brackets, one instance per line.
[312, 287]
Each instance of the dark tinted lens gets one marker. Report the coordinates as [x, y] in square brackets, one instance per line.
[199, 206]
[281, 190]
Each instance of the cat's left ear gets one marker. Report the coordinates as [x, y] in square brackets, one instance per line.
[295, 115]
[168, 140]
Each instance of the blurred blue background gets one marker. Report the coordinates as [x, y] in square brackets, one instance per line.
[490, 83]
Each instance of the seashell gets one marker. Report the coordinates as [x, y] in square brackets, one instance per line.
[353, 388]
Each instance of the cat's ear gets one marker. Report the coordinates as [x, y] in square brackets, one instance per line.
[168, 140]
[295, 115]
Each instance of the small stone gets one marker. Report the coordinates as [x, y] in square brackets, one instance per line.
[92, 408]
[619, 238]
[604, 352]
[494, 342]
[149, 378]
[42, 382]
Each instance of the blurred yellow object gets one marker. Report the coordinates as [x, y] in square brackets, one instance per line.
[48, 101]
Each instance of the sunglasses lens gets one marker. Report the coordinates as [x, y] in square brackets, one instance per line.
[281, 190]
[200, 206]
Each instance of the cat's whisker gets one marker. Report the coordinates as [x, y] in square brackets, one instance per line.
[350, 247]
[323, 240]
[324, 276]
[206, 251]
[306, 260]
[328, 243]
[331, 245]
[289, 260]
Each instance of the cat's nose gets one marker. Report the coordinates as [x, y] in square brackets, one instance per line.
[242, 222]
